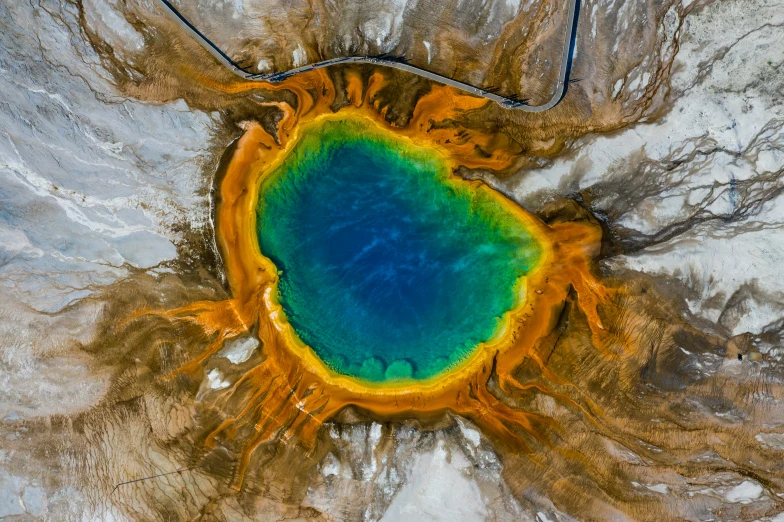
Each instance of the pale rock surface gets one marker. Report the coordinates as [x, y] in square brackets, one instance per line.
[91, 183]
[445, 475]
[697, 194]
[92, 186]
[440, 489]
[239, 349]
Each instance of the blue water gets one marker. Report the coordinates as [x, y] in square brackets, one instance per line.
[389, 270]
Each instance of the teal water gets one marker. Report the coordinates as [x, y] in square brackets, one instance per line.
[389, 270]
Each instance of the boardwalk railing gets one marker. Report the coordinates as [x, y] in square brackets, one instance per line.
[399, 63]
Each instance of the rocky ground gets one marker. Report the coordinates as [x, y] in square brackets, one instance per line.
[673, 138]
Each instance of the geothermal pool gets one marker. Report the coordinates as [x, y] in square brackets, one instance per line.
[391, 268]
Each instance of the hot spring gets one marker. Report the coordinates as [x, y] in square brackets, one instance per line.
[390, 267]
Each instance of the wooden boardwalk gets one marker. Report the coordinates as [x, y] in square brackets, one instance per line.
[515, 103]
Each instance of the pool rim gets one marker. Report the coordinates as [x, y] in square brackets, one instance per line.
[273, 176]
[241, 253]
